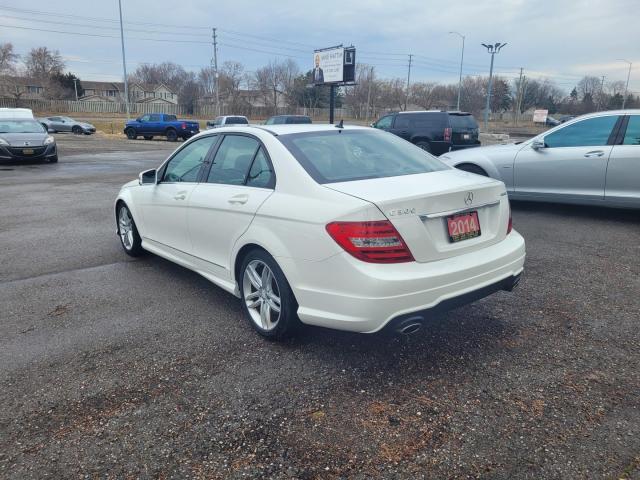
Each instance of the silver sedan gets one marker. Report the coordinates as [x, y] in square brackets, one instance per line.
[66, 124]
[593, 159]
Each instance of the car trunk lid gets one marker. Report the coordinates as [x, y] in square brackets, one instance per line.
[418, 207]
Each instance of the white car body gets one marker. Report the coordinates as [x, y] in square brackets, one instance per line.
[206, 227]
[602, 174]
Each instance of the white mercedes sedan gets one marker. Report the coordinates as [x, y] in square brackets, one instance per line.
[343, 227]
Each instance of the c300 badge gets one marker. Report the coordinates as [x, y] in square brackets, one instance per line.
[401, 211]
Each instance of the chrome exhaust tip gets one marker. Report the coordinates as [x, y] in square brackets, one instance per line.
[410, 326]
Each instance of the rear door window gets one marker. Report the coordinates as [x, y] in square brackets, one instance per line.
[155, 118]
[402, 121]
[430, 121]
[632, 135]
[168, 118]
[233, 160]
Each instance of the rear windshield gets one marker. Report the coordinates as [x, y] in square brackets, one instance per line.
[298, 120]
[236, 120]
[20, 126]
[170, 118]
[347, 155]
[462, 121]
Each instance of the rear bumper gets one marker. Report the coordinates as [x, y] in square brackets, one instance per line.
[344, 293]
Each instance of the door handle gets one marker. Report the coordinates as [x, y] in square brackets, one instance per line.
[239, 199]
[595, 153]
[180, 196]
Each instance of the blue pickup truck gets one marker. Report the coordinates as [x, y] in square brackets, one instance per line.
[160, 125]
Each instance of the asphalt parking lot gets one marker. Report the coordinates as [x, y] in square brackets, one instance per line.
[119, 367]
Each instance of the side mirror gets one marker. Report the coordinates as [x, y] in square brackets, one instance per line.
[148, 177]
[538, 144]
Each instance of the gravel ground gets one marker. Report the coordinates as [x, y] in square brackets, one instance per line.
[118, 368]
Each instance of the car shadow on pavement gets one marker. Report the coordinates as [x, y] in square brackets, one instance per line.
[577, 211]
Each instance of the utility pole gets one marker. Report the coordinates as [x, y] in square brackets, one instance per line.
[519, 98]
[124, 62]
[492, 50]
[626, 88]
[215, 69]
[75, 87]
[461, 61]
[406, 99]
[601, 94]
[369, 80]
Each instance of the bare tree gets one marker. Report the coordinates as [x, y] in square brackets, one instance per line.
[42, 64]
[422, 94]
[275, 79]
[8, 59]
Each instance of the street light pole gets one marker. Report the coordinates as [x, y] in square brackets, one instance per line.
[124, 62]
[492, 49]
[626, 88]
[461, 61]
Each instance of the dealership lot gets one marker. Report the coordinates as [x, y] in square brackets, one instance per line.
[139, 367]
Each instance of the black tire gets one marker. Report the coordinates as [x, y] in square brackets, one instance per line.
[424, 146]
[469, 167]
[131, 133]
[53, 159]
[148, 137]
[135, 248]
[171, 135]
[77, 130]
[287, 323]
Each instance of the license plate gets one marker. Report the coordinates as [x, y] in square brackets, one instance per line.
[27, 151]
[463, 226]
[466, 136]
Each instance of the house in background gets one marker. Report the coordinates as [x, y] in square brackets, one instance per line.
[138, 92]
[21, 87]
[28, 88]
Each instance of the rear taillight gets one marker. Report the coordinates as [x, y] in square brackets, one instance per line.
[510, 224]
[184, 125]
[447, 134]
[374, 242]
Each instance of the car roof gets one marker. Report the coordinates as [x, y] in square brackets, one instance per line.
[16, 113]
[282, 129]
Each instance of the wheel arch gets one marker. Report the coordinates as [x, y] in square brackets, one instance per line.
[488, 167]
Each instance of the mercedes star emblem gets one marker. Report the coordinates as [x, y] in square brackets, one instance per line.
[468, 198]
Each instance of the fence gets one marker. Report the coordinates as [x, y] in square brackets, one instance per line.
[72, 106]
[202, 111]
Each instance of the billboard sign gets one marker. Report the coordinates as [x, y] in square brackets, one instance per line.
[328, 66]
[540, 116]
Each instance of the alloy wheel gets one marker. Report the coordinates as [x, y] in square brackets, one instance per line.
[125, 227]
[261, 295]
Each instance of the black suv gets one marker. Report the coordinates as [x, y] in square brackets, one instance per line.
[437, 132]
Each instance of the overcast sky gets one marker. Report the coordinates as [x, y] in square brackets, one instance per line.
[558, 39]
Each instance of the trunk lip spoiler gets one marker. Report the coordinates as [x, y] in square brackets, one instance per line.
[425, 216]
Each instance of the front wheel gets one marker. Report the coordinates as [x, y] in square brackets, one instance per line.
[131, 133]
[77, 130]
[53, 159]
[128, 232]
[267, 298]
